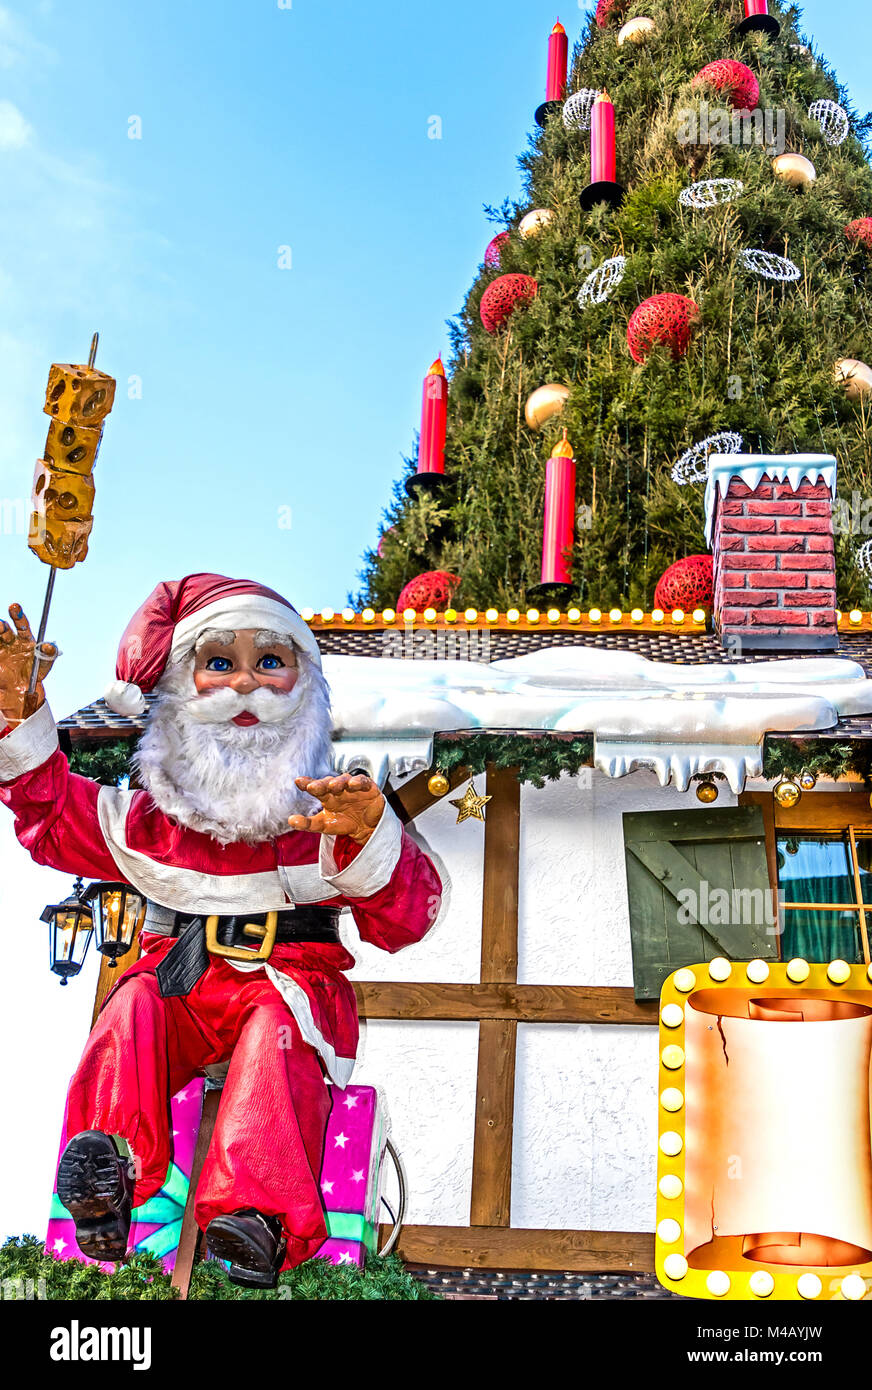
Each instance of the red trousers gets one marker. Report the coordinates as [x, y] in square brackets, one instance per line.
[267, 1145]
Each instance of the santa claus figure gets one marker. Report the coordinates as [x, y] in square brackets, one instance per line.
[246, 847]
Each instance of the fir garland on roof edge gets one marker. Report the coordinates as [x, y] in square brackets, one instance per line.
[539, 757]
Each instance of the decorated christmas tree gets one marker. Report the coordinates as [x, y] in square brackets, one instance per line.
[687, 273]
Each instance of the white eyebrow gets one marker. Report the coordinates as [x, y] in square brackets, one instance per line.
[223, 636]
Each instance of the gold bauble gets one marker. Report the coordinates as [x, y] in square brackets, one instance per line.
[807, 781]
[795, 170]
[637, 30]
[855, 376]
[545, 402]
[786, 793]
[707, 791]
[438, 784]
[534, 221]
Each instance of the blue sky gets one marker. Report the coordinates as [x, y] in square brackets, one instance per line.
[261, 388]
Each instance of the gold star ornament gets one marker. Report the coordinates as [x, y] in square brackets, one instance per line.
[470, 804]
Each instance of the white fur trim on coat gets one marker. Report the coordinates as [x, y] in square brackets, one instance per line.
[29, 745]
[372, 868]
[244, 610]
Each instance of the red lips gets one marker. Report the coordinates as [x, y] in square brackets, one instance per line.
[245, 719]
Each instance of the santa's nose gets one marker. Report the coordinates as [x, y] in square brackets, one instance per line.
[244, 682]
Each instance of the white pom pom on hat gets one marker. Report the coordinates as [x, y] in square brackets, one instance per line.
[123, 697]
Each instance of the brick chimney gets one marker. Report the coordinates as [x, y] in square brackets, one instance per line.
[769, 523]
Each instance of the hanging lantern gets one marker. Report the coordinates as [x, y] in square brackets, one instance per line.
[120, 912]
[72, 926]
[786, 793]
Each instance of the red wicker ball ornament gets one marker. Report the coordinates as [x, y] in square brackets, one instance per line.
[665, 318]
[608, 9]
[503, 296]
[495, 249]
[733, 81]
[687, 584]
[860, 231]
[433, 589]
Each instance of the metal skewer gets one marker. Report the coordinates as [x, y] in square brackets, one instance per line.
[49, 588]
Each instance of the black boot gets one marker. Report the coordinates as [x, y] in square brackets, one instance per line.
[95, 1184]
[253, 1244]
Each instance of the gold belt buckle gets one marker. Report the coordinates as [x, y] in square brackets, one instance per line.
[267, 933]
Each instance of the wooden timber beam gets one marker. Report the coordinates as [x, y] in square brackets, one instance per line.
[522, 1003]
[495, 1247]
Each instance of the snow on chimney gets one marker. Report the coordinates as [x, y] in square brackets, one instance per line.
[769, 523]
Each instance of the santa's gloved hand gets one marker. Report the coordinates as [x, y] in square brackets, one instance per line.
[17, 652]
[352, 806]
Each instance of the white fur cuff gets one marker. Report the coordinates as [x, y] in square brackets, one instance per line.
[29, 745]
[370, 870]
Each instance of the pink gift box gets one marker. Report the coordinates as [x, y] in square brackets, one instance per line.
[350, 1183]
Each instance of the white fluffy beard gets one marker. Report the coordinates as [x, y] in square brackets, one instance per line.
[235, 783]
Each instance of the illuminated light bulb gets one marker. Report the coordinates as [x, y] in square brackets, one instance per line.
[429, 615]
[684, 981]
[451, 615]
[720, 969]
[307, 614]
[671, 1099]
[853, 1287]
[808, 1285]
[839, 616]
[869, 974]
[672, 1057]
[615, 615]
[388, 615]
[678, 616]
[855, 616]
[532, 615]
[718, 1283]
[409, 615]
[757, 971]
[675, 1267]
[699, 615]
[668, 1231]
[838, 972]
[368, 615]
[657, 615]
[348, 615]
[327, 615]
[492, 615]
[670, 1187]
[637, 616]
[672, 1015]
[798, 970]
[553, 615]
[761, 1283]
[595, 615]
[671, 1143]
[574, 615]
[512, 615]
[470, 615]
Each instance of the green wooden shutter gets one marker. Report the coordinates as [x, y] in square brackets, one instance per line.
[698, 884]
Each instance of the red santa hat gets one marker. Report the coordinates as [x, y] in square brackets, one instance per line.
[168, 624]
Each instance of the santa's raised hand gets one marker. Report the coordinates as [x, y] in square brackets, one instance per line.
[352, 805]
[17, 652]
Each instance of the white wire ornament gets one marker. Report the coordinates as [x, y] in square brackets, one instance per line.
[770, 266]
[602, 281]
[710, 193]
[692, 467]
[576, 110]
[832, 119]
[863, 559]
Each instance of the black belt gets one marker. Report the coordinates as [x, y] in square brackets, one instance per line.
[188, 960]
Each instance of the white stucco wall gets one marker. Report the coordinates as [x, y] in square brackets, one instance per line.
[585, 1095]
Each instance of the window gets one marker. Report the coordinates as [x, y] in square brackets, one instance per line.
[825, 889]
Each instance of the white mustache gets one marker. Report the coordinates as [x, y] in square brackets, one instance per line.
[222, 705]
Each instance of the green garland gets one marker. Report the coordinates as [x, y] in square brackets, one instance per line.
[25, 1267]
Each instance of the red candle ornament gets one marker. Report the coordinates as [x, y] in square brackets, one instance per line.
[602, 140]
[558, 53]
[434, 421]
[557, 536]
[757, 17]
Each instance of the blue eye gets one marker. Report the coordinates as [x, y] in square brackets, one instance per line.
[271, 663]
[219, 663]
